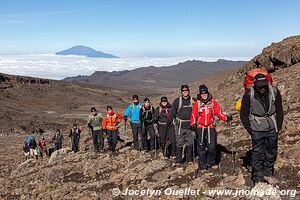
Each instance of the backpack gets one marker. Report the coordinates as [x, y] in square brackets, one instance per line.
[249, 82]
[181, 106]
[249, 78]
[139, 105]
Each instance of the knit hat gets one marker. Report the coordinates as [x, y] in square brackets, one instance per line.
[163, 99]
[108, 108]
[135, 97]
[184, 87]
[203, 89]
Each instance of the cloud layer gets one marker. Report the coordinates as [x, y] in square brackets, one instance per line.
[58, 67]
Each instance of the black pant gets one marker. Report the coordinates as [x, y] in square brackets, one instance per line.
[98, 139]
[167, 140]
[75, 144]
[209, 141]
[58, 145]
[136, 132]
[264, 153]
[112, 137]
[148, 129]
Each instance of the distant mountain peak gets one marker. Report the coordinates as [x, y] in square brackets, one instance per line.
[80, 50]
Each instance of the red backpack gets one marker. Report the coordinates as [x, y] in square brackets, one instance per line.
[249, 78]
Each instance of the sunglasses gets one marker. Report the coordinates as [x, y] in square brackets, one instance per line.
[203, 93]
[135, 99]
[184, 90]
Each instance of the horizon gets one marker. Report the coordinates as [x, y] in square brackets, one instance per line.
[58, 67]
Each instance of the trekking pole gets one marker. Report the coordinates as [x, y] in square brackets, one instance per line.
[194, 156]
[232, 150]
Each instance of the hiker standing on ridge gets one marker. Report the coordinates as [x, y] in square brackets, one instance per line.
[202, 118]
[181, 111]
[110, 127]
[95, 124]
[166, 133]
[133, 111]
[147, 119]
[262, 116]
[57, 139]
[74, 137]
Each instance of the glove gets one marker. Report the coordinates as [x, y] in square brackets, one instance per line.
[125, 118]
[193, 127]
[229, 118]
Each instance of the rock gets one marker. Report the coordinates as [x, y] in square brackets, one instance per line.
[57, 173]
[23, 167]
[293, 153]
[260, 189]
[191, 168]
[58, 155]
[240, 181]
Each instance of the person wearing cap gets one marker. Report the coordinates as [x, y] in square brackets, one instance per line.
[203, 120]
[262, 116]
[95, 124]
[110, 127]
[181, 112]
[166, 133]
[75, 137]
[133, 112]
[147, 119]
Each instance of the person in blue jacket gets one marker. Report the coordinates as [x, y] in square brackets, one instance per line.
[133, 111]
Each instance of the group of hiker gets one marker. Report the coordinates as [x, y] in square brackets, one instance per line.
[186, 129]
[34, 149]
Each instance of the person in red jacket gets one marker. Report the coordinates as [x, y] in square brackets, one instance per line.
[43, 147]
[110, 126]
[202, 118]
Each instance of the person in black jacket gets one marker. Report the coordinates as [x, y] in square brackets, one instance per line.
[185, 137]
[147, 119]
[26, 149]
[166, 133]
[262, 116]
[33, 148]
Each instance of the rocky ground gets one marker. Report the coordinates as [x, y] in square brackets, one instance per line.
[88, 175]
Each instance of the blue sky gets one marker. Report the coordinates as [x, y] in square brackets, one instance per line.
[147, 28]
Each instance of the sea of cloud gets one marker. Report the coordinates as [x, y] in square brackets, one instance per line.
[58, 67]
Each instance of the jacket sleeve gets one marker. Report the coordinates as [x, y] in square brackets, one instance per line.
[89, 121]
[194, 114]
[104, 124]
[127, 111]
[141, 117]
[279, 110]
[218, 111]
[156, 115]
[245, 111]
[119, 117]
[173, 111]
[70, 135]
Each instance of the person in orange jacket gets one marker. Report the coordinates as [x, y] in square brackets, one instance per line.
[110, 127]
[203, 120]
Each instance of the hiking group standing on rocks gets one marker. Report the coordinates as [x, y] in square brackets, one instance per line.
[186, 129]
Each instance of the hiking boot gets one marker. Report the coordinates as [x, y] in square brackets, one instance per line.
[271, 180]
[215, 167]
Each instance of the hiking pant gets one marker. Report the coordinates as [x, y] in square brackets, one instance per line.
[136, 133]
[167, 139]
[75, 144]
[206, 138]
[58, 145]
[185, 145]
[98, 139]
[264, 153]
[42, 152]
[148, 129]
[112, 138]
